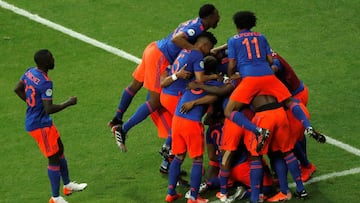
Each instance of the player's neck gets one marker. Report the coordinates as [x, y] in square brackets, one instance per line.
[42, 70]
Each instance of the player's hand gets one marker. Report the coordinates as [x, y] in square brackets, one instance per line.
[186, 107]
[235, 76]
[183, 74]
[72, 101]
[215, 52]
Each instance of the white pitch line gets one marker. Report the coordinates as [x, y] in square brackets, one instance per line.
[330, 175]
[320, 178]
[70, 32]
[343, 146]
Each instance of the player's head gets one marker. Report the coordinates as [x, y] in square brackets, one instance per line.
[209, 15]
[210, 65]
[205, 42]
[44, 60]
[244, 20]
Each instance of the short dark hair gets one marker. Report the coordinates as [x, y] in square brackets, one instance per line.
[210, 65]
[244, 19]
[209, 36]
[43, 58]
[206, 10]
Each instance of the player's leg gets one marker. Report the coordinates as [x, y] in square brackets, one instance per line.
[69, 186]
[47, 142]
[294, 169]
[224, 174]
[297, 132]
[256, 176]
[153, 63]
[256, 166]
[54, 174]
[195, 133]
[126, 98]
[174, 172]
[179, 149]
[196, 176]
[144, 110]
[280, 167]
[136, 84]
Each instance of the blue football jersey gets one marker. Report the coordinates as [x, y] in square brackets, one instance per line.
[197, 112]
[195, 63]
[192, 29]
[250, 49]
[38, 87]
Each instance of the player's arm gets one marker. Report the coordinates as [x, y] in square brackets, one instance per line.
[201, 77]
[20, 90]
[231, 68]
[207, 99]
[51, 108]
[218, 49]
[223, 90]
[180, 39]
[269, 59]
[276, 66]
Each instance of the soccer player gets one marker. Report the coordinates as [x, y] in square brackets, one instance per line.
[298, 90]
[193, 63]
[233, 166]
[156, 57]
[287, 76]
[36, 89]
[188, 136]
[250, 55]
[239, 169]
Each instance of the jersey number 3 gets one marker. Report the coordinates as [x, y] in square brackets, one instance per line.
[30, 98]
[255, 42]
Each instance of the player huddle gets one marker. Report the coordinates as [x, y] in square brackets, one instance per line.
[252, 100]
[247, 94]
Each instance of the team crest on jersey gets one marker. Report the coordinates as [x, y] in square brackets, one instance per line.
[48, 92]
[191, 32]
[201, 64]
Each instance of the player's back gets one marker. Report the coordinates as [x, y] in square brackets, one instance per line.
[38, 87]
[192, 28]
[250, 50]
[197, 112]
[193, 59]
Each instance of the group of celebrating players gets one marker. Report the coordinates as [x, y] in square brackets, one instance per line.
[252, 100]
[250, 97]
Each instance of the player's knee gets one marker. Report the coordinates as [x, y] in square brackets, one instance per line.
[255, 158]
[154, 100]
[284, 154]
[135, 86]
[54, 159]
[180, 156]
[198, 159]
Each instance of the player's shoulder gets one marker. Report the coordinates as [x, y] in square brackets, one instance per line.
[196, 54]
